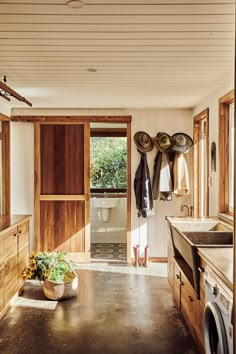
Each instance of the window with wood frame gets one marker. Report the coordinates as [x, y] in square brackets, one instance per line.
[226, 153]
[108, 160]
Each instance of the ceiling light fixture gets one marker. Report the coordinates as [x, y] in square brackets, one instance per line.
[6, 91]
[75, 4]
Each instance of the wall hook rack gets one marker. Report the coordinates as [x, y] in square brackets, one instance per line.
[6, 92]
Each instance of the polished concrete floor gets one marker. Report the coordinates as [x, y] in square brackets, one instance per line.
[115, 312]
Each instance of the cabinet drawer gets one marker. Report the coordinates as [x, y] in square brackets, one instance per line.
[23, 227]
[189, 301]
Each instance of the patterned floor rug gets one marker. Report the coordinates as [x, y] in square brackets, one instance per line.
[109, 251]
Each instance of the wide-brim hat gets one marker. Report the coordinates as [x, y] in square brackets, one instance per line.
[181, 142]
[163, 142]
[143, 141]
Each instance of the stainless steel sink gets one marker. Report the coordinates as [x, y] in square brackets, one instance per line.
[187, 235]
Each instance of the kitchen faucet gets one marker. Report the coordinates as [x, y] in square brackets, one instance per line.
[189, 209]
[185, 206]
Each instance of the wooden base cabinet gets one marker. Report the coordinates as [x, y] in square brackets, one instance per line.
[1, 274]
[14, 253]
[201, 302]
[10, 265]
[23, 251]
[190, 306]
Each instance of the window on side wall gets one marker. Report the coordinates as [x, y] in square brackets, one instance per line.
[226, 153]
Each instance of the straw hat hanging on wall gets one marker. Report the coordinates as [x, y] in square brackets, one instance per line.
[163, 142]
[143, 141]
[181, 142]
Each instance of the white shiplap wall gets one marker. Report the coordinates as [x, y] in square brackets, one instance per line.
[212, 102]
[22, 171]
[5, 108]
[152, 231]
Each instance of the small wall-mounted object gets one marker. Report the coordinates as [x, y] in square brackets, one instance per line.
[213, 157]
[105, 205]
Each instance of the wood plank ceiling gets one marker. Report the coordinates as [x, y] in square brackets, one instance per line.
[155, 53]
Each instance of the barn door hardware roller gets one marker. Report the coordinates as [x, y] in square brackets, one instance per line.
[6, 92]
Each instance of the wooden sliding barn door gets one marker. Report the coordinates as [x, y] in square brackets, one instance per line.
[62, 187]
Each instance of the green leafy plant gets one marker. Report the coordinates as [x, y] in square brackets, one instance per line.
[108, 162]
[61, 272]
[40, 263]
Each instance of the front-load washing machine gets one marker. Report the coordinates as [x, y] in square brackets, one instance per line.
[218, 330]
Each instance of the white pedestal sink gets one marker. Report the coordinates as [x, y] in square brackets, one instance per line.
[105, 205]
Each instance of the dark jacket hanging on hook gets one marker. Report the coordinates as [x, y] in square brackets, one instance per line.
[143, 188]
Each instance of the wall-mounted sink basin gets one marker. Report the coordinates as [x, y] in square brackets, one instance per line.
[105, 206]
[105, 202]
[209, 238]
[188, 235]
[197, 226]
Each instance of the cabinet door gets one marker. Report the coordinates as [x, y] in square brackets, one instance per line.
[170, 265]
[23, 250]
[176, 283]
[202, 302]
[10, 265]
[190, 306]
[1, 273]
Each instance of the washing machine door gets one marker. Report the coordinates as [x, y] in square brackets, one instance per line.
[214, 330]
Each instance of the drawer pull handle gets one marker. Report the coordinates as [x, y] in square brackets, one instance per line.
[201, 270]
[190, 298]
[177, 276]
[20, 232]
[16, 234]
[181, 282]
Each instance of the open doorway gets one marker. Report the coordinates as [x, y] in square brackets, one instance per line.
[108, 187]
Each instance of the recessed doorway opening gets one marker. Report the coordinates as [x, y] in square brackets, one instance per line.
[108, 187]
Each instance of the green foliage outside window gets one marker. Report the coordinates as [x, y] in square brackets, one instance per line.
[108, 162]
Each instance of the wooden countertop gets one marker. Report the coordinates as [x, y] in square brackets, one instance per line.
[220, 260]
[10, 221]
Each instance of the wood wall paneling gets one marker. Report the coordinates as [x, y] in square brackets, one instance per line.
[62, 161]
[74, 159]
[47, 159]
[37, 182]
[49, 119]
[86, 152]
[1, 273]
[62, 225]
